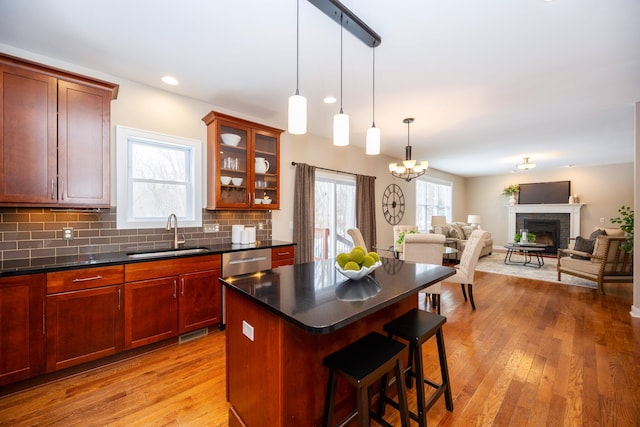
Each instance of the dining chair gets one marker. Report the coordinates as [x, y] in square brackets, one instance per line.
[425, 248]
[465, 270]
[357, 238]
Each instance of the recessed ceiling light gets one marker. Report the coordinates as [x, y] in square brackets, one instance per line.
[170, 80]
[330, 100]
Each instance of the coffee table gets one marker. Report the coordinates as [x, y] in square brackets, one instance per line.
[528, 250]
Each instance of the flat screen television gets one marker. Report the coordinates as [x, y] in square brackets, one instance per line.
[544, 192]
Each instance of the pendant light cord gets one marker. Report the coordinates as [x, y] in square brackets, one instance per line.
[341, 30]
[297, 47]
[374, 87]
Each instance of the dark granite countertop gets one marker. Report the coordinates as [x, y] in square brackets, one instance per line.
[43, 265]
[317, 298]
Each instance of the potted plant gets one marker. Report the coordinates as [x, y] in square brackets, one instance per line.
[626, 220]
[531, 238]
[511, 191]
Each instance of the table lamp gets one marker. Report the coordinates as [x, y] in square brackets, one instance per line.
[474, 221]
[438, 221]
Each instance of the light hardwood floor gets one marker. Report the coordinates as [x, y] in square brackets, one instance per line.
[532, 354]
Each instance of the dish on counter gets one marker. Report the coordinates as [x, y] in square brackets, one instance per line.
[357, 274]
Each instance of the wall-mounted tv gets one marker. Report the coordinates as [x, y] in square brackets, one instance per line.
[545, 192]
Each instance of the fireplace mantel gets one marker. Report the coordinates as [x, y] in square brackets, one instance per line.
[571, 208]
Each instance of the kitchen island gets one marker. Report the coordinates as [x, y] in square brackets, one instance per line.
[282, 322]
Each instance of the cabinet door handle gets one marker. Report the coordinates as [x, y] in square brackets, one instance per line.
[86, 279]
[53, 189]
[44, 317]
[62, 189]
[182, 293]
[175, 284]
[118, 299]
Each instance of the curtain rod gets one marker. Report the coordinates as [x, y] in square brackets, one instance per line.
[334, 170]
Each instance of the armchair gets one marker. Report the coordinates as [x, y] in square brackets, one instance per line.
[608, 263]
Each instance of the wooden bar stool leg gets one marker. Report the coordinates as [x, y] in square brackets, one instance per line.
[422, 414]
[363, 406]
[329, 398]
[383, 393]
[402, 395]
[444, 370]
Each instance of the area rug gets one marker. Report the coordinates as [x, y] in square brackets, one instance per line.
[494, 263]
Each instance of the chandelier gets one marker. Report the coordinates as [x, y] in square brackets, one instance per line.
[526, 165]
[409, 169]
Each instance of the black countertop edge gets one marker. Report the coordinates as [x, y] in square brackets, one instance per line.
[70, 262]
[326, 328]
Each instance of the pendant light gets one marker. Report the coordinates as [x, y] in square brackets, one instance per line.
[341, 120]
[409, 169]
[297, 102]
[373, 133]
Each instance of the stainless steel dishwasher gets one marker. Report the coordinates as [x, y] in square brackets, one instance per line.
[243, 262]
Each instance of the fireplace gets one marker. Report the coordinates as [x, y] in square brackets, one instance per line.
[547, 232]
[567, 216]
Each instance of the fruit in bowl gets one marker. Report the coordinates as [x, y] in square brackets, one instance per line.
[357, 263]
[230, 139]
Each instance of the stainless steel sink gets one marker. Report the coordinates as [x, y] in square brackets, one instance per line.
[162, 253]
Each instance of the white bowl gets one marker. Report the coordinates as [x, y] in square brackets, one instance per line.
[266, 201]
[225, 180]
[258, 201]
[230, 139]
[355, 275]
[236, 181]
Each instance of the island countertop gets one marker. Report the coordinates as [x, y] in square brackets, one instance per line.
[317, 298]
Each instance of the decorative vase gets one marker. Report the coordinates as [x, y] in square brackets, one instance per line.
[512, 200]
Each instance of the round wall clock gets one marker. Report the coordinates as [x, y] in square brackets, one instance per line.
[393, 204]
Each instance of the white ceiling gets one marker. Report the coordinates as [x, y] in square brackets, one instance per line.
[488, 82]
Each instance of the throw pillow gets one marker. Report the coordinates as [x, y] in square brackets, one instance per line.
[456, 232]
[583, 245]
[597, 233]
[467, 230]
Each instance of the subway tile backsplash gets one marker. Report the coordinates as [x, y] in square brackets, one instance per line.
[37, 232]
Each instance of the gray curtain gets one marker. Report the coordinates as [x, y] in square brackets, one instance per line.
[304, 212]
[366, 209]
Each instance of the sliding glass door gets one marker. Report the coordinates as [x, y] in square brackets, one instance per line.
[335, 213]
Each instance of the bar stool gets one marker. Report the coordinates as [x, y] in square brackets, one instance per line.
[416, 327]
[363, 363]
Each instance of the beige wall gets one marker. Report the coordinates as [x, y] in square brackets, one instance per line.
[320, 152]
[603, 189]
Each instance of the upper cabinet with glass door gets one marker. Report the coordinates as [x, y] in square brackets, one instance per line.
[243, 164]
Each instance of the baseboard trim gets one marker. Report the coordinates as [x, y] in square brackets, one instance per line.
[635, 311]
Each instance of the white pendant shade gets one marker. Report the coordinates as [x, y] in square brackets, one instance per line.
[392, 167]
[297, 114]
[341, 130]
[373, 141]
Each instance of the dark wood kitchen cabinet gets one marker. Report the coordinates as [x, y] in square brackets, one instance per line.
[21, 327]
[252, 159]
[84, 315]
[54, 137]
[282, 255]
[166, 298]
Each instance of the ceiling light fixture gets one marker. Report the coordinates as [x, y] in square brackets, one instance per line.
[409, 169]
[297, 102]
[341, 120]
[170, 80]
[526, 165]
[373, 133]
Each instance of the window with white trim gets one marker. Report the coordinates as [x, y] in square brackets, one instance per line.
[433, 197]
[157, 175]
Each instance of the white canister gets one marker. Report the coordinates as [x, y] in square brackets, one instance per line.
[245, 237]
[236, 233]
[252, 234]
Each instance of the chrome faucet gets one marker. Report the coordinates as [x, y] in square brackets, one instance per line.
[176, 242]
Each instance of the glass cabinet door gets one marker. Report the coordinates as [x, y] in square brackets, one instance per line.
[233, 163]
[266, 170]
